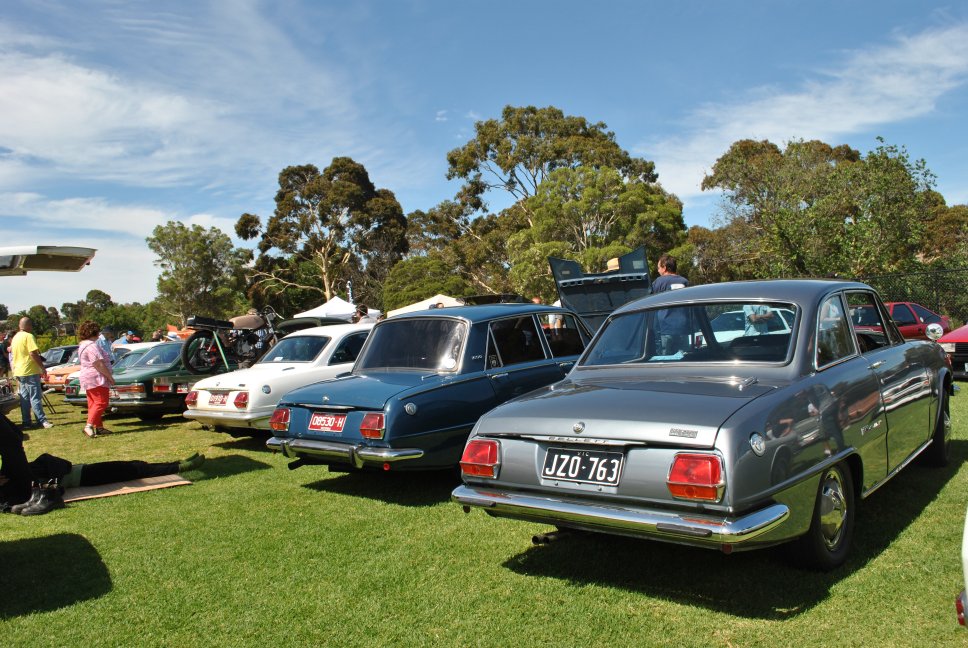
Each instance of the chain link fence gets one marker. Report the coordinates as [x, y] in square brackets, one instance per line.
[943, 291]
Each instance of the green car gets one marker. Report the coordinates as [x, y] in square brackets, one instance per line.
[154, 385]
[75, 395]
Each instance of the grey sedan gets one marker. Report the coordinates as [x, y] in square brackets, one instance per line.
[665, 431]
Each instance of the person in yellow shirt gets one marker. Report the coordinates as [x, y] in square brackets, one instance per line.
[28, 369]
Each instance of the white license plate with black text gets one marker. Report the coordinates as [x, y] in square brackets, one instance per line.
[585, 466]
[218, 398]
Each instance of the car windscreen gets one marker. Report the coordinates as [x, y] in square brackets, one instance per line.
[421, 344]
[159, 356]
[299, 348]
[757, 332]
[128, 359]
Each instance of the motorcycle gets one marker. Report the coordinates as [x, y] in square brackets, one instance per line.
[240, 341]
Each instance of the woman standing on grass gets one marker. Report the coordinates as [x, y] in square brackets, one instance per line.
[95, 377]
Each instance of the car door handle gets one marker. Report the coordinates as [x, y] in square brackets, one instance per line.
[875, 365]
[500, 375]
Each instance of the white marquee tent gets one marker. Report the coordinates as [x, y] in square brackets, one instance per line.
[335, 307]
[425, 304]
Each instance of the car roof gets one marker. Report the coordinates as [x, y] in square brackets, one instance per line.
[331, 330]
[481, 312]
[797, 291]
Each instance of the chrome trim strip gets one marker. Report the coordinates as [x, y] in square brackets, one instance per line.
[697, 529]
[354, 454]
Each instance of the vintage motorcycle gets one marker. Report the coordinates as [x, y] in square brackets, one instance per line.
[238, 342]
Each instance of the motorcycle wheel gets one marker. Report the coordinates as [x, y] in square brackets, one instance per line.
[200, 353]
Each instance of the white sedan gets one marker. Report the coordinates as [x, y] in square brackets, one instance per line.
[244, 400]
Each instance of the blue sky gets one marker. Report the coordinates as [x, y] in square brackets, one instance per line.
[118, 116]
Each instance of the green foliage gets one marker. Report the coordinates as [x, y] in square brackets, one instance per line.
[420, 277]
[590, 215]
[328, 229]
[516, 153]
[201, 273]
[4, 312]
[814, 210]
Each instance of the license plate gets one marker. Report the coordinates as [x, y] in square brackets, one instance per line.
[70, 391]
[322, 422]
[586, 466]
[218, 399]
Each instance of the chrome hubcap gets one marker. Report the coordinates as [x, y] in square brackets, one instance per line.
[833, 508]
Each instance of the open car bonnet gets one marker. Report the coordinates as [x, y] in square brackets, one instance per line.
[21, 259]
[686, 413]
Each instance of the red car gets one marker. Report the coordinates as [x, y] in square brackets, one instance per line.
[914, 318]
[955, 345]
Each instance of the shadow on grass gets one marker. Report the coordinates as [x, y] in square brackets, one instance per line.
[229, 465]
[49, 573]
[130, 424]
[402, 488]
[255, 442]
[760, 584]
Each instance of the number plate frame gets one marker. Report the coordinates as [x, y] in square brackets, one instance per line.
[559, 466]
[327, 422]
[218, 398]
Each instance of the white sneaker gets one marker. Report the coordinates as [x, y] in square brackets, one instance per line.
[48, 425]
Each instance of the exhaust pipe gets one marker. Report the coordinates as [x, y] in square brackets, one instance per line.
[551, 536]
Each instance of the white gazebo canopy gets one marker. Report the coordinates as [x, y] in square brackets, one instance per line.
[425, 304]
[335, 307]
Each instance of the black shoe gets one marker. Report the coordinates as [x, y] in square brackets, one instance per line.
[35, 493]
[51, 497]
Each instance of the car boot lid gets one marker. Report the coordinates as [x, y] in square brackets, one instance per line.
[624, 412]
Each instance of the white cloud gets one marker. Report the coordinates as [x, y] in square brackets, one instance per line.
[882, 85]
[441, 116]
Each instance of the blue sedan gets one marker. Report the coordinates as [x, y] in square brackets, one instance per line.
[422, 381]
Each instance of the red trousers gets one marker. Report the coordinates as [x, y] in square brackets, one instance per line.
[97, 404]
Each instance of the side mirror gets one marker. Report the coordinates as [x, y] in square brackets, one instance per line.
[934, 331]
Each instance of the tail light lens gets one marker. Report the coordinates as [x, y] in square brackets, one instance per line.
[696, 477]
[279, 421]
[241, 400]
[137, 388]
[161, 387]
[480, 458]
[372, 426]
[192, 398]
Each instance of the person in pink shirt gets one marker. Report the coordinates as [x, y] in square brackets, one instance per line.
[95, 377]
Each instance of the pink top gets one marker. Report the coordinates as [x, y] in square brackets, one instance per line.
[88, 353]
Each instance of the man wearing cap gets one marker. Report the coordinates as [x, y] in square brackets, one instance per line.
[104, 341]
[28, 369]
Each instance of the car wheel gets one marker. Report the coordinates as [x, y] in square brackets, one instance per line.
[939, 451]
[827, 543]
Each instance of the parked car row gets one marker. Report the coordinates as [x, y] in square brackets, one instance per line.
[779, 406]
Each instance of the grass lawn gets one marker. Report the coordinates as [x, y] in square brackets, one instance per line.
[253, 553]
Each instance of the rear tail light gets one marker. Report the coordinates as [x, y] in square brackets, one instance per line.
[372, 426]
[279, 421]
[241, 400]
[696, 477]
[137, 388]
[162, 387]
[960, 607]
[480, 458]
[192, 398]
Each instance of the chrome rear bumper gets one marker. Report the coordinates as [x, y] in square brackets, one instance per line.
[356, 455]
[703, 530]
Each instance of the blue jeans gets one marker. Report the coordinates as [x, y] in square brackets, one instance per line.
[30, 399]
